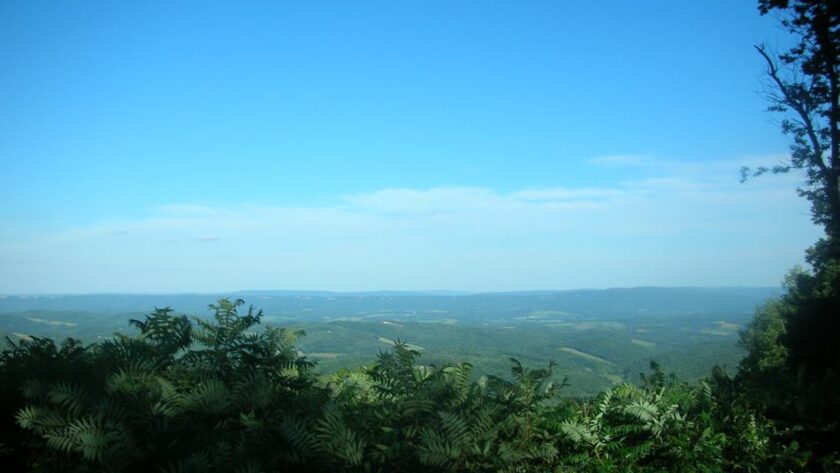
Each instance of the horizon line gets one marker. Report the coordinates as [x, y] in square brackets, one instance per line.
[428, 292]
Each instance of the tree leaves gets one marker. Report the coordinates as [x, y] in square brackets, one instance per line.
[237, 398]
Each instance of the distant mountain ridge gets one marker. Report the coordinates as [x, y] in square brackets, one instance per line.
[613, 303]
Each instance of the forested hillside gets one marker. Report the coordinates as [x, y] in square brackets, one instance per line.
[597, 338]
[224, 395]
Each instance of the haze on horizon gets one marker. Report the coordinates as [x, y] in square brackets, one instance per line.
[166, 148]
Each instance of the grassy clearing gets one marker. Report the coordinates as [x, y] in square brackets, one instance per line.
[324, 355]
[440, 321]
[388, 341]
[543, 314]
[642, 343]
[614, 378]
[584, 355]
[52, 322]
[590, 325]
[723, 329]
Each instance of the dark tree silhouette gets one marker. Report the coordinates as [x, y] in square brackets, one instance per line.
[804, 85]
[793, 365]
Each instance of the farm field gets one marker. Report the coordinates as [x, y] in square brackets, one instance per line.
[595, 338]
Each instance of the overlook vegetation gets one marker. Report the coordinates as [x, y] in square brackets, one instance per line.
[225, 395]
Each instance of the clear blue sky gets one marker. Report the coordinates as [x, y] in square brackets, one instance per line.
[209, 146]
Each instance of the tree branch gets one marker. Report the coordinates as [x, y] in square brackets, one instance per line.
[800, 109]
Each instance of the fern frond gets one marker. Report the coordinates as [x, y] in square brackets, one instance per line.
[69, 396]
[435, 449]
[456, 429]
[643, 410]
[305, 444]
[210, 396]
[339, 441]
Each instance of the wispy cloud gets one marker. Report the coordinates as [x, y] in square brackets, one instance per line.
[689, 226]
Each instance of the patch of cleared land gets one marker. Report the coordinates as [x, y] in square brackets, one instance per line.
[388, 341]
[642, 343]
[542, 314]
[324, 355]
[584, 355]
[723, 329]
[52, 322]
[440, 321]
[614, 378]
[605, 325]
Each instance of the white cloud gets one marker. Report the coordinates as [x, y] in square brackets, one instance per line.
[688, 227]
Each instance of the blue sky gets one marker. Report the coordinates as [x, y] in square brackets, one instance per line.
[212, 146]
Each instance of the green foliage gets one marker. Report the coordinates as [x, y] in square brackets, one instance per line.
[647, 429]
[688, 330]
[761, 341]
[230, 395]
[792, 370]
[805, 87]
[180, 396]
